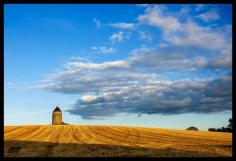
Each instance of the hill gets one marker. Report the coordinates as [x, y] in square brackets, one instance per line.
[83, 140]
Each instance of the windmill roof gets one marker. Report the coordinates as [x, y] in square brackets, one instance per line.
[57, 109]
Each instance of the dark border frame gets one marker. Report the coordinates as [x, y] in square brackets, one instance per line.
[118, 2]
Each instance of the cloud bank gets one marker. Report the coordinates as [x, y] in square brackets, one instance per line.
[142, 83]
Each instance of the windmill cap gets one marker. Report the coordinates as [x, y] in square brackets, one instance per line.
[57, 109]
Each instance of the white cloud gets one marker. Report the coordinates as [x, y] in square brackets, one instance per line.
[164, 59]
[97, 66]
[169, 58]
[121, 74]
[201, 62]
[162, 97]
[160, 59]
[209, 16]
[222, 61]
[141, 50]
[119, 36]
[145, 36]
[97, 22]
[124, 25]
[155, 17]
[103, 49]
[136, 75]
[88, 98]
[186, 33]
[136, 84]
[193, 35]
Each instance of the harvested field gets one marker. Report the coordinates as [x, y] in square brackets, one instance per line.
[116, 141]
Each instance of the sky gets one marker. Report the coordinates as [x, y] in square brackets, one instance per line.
[150, 65]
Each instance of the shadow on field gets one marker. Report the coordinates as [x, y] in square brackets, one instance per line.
[45, 149]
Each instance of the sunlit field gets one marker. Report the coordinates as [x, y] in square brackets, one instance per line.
[106, 141]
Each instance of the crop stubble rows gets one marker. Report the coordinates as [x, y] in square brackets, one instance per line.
[201, 141]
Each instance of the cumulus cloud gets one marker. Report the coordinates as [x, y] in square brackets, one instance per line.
[194, 35]
[139, 84]
[161, 60]
[175, 97]
[178, 59]
[143, 63]
[131, 86]
[124, 25]
[103, 49]
[186, 33]
[209, 16]
[222, 61]
[93, 82]
[155, 17]
[119, 36]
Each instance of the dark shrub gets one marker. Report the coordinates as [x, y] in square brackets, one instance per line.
[192, 128]
[211, 129]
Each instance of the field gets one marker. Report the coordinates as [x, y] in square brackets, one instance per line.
[114, 141]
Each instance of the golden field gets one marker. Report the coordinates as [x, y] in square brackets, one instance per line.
[114, 141]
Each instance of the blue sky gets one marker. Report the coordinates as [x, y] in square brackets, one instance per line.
[164, 65]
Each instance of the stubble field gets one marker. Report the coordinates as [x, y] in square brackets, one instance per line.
[112, 141]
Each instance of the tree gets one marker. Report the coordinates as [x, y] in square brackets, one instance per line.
[230, 124]
[192, 128]
[212, 129]
[224, 129]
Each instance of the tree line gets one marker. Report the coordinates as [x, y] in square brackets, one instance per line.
[229, 128]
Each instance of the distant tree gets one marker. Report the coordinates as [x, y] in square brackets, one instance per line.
[212, 129]
[219, 130]
[228, 129]
[192, 128]
[224, 129]
[230, 124]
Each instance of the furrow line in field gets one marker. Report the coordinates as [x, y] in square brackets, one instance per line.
[46, 135]
[65, 136]
[77, 135]
[161, 140]
[96, 137]
[114, 139]
[10, 129]
[101, 137]
[20, 133]
[102, 134]
[33, 134]
[82, 134]
[55, 134]
[88, 137]
[109, 131]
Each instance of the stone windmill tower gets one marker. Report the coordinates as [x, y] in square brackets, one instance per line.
[57, 116]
